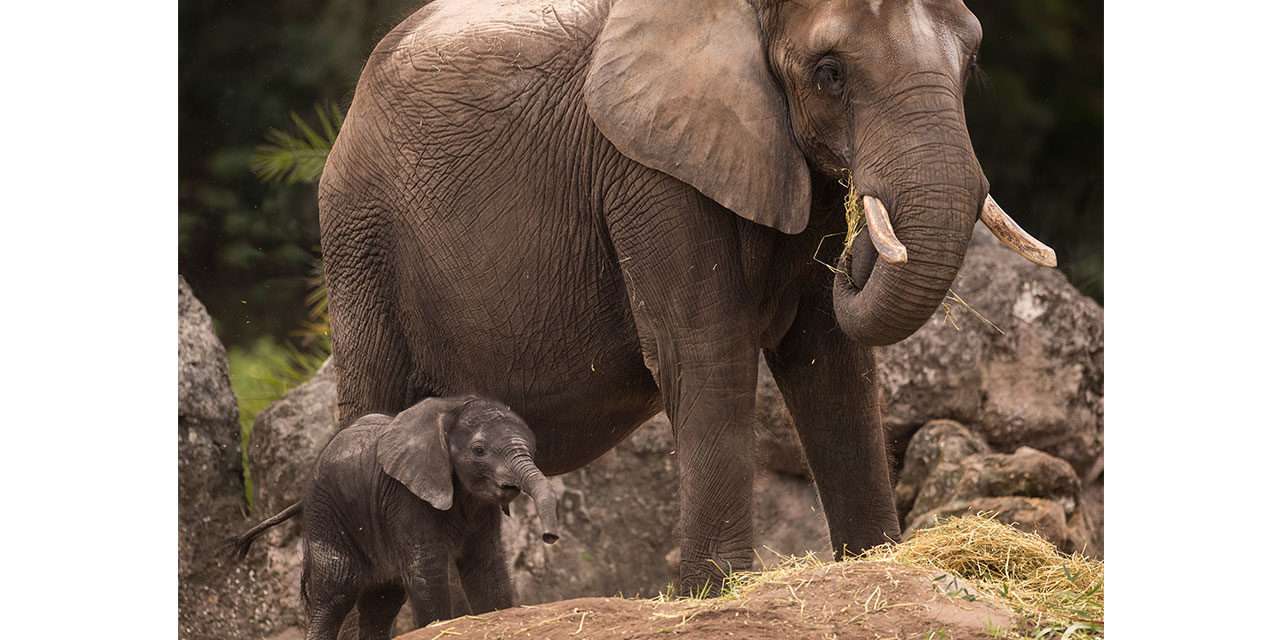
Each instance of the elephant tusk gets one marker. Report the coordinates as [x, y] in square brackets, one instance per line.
[882, 236]
[1011, 235]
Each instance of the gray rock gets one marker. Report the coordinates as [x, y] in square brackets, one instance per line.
[287, 436]
[950, 471]
[217, 598]
[210, 482]
[1035, 381]
[285, 441]
[938, 443]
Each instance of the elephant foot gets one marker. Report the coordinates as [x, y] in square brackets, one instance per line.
[705, 577]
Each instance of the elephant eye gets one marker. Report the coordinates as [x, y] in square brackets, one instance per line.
[477, 451]
[829, 75]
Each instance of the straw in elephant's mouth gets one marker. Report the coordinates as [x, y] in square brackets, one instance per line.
[855, 222]
[854, 217]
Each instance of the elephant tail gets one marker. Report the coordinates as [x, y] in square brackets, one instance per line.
[242, 543]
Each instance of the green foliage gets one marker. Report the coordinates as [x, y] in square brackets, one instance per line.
[262, 374]
[298, 157]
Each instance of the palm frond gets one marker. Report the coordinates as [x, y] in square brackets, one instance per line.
[298, 156]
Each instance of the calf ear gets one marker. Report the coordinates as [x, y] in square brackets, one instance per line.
[414, 449]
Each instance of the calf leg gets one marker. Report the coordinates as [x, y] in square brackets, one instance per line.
[378, 609]
[328, 590]
[483, 567]
[427, 583]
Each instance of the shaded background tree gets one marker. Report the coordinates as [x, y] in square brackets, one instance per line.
[248, 247]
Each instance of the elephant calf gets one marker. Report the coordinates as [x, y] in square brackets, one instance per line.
[382, 521]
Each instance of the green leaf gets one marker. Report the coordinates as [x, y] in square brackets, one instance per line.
[298, 156]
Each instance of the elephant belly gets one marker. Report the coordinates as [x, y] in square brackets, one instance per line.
[535, 317]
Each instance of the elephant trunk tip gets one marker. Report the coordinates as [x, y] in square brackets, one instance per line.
[533, 483]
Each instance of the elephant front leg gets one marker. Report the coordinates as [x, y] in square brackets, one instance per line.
[693, 276]
[426, 582]
[710, 405]
[830, 386]
[483, 566]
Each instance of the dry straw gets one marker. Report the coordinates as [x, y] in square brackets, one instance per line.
[855, 221]
[1059, 595]
[854, 216]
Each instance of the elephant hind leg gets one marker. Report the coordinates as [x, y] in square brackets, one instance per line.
[370, 353]
[378, 608]
[328, 604]
[330, 585]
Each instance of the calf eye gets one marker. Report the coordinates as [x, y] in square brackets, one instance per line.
[477, 451]
[829, 75]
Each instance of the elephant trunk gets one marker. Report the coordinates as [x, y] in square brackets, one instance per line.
[916, 159]
[536, 485]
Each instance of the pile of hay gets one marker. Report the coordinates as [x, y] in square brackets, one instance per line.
[969, 577]
[1058, 595]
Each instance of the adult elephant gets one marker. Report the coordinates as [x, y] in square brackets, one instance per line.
[597, 210]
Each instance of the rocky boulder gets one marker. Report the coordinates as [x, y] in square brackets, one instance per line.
[210, 484]
[217, 597]
[1015, 353]
[287, 436]
[951, 471]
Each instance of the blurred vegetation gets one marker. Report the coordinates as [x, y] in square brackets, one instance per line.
[248, 232]
[1036, 123]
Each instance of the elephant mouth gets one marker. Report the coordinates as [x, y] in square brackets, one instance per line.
[882, 295]
[856, 262]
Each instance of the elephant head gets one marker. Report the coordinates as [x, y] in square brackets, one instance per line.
[753, 102]
[482, 443]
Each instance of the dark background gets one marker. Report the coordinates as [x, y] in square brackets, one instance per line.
[247, 247]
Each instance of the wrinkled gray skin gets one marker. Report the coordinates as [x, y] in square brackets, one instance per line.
[396, 502]
[599, 209]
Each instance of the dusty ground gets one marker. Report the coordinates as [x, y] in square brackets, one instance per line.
[834, 600]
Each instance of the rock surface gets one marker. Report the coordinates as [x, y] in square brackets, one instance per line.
[216, 598]
[951, 471]
[1035, 381]
[210, 485]
[287, 436]
[777, 445]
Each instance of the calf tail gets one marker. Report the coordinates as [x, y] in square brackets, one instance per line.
[245, 540]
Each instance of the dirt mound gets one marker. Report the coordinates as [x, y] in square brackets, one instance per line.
[967, 577]
[820, 600]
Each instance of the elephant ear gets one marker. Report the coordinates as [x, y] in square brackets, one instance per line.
[414, 449]
[682, 86]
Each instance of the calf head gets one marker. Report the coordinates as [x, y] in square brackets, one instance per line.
[480, 446]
